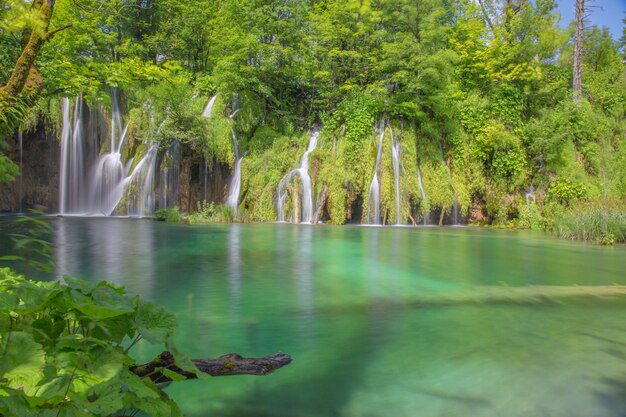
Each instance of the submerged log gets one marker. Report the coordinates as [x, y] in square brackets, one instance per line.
[226, 365]
[534, 294]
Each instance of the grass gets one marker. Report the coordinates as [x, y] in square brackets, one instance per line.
[592, 224]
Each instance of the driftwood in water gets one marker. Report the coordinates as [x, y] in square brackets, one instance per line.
[226, 365]
[321, 202]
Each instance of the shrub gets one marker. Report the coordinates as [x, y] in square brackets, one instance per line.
[64, 349]
[170, 215]
[210, 213]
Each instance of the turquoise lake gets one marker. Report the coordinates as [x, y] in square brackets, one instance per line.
[342, 302]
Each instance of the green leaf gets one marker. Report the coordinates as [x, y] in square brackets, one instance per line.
[105, 303]
[155, 323]
[172, 375]
[81, 285]
[114, 329]
[23, 361]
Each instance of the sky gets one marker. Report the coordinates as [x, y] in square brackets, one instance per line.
[603, 13]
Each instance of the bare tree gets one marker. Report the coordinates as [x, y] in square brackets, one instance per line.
[578, 51]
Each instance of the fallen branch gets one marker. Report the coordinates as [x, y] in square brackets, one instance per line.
[226, 365]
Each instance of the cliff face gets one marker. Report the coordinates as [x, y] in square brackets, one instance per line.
[38, 185]
[199, 182]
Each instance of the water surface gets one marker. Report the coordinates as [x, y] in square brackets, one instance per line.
[339, 300]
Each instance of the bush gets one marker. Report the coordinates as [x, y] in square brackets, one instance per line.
[170, 215]
[210, 213]
[529, 217]
[64, 349]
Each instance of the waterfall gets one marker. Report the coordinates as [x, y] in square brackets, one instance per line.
[21, 194]
[110, 171]
[374, 191]
[209, 107]
[72, 176]
[530, 194]
[305, 179]
[235, 184]
[65, 150]
[396, 150]
[420, 183]
[103, 186]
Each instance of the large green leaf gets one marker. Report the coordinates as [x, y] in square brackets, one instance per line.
[155, 323]
[14, 403]
[23, 361]
[105, 303]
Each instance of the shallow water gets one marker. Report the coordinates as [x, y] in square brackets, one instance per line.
[340, 300]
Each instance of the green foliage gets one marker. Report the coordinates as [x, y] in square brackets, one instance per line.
[210, 213]
[8, 170]
[64, 349]
[32, 246]
[170, 215]
[492, 100]
[592, 224]
[529, 217]
[566, 191]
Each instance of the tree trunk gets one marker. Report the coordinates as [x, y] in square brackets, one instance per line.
[36, 40]
[578, 51]
[321, 202]
[486, 15]
[226, 365]
[25, 83]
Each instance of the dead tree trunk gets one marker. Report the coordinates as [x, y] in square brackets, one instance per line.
[226, 365]
[578, 51]
[321, 202]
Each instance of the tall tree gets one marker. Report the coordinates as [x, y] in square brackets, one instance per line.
[578, 50]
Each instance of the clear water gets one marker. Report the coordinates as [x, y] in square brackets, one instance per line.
[338, 299]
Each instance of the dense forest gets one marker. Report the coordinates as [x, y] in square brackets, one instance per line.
[433, 111]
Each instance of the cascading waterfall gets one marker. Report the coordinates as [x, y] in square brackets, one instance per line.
[235, 184]
[110, 170]
[138, 187]
[305, 179]
[72, 178]
[374, 191]
[209, 107]
[396, 150]
[234, 189]
[110, 181]
[530, 195]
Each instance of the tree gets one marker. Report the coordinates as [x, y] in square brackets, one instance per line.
[578, 51]
[25, 83]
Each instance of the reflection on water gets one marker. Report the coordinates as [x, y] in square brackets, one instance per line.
[339, 300]
[234, 269]
[106, 249]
